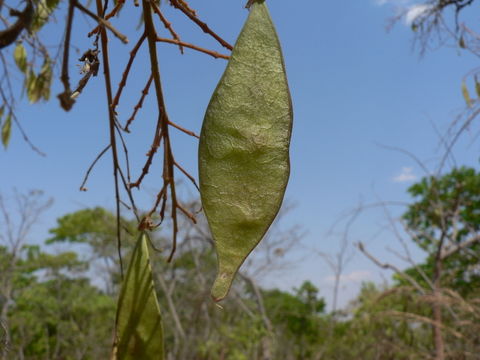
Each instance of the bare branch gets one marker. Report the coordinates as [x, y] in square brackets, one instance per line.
[102, 21]
[390, 267]
[449, 251]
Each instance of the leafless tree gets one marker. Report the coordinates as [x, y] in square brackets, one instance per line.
[18, 216]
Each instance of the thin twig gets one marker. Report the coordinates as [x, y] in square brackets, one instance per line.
[112, 13]
[168, 167]
[139, 104]
[190, 177]
[391, 267]
[188, 132]
[125, 152]
[467, 122]
[102, 21]
[92, 165]
[187, 7]
[167, 24]
[408, 153]
[111, 117]
[187, 213]
[123, 81]
[159, 198]
[151, 153]
[129, 193]
[190, 14]
[215, 54]
[25, 136]
[465, 244]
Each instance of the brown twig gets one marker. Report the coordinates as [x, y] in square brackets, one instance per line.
[150, 154]
[168, 167]
[125, 152]
[163, 207]
[112, 13]
[129, 193]
[111, 117]
[101, 21]
[190, 177]
[187, 7]
[139, 104]
[168, 176]
[92, 165]
[188, 132]
[180, 5]
[187, 213]
[123, 81]
[159, 198]
[167, 24]
[215, 54]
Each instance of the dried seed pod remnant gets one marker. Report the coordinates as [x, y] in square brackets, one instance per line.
[244, 146]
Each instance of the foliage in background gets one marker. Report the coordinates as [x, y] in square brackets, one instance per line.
[60, 309]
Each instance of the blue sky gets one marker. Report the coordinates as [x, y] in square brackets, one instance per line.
[354, 86]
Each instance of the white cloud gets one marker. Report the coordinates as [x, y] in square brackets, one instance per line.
[416, 11]
[405, 175]
[411, 10]
[356, 276]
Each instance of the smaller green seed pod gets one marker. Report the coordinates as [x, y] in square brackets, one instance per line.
[139, 329]
[244, 146]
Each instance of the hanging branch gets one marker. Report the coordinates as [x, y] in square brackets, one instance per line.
[162, 124]
[167, 195]
[111, 117]
[162, 132]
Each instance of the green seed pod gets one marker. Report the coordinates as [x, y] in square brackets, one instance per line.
[139, 331]
[244, 146]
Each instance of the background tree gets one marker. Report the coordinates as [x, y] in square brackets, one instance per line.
[14, 234]
[60, 309]
[442, 221]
